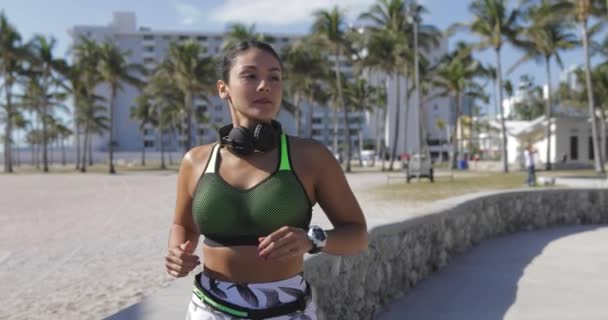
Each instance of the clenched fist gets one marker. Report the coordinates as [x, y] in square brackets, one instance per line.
[180, 260]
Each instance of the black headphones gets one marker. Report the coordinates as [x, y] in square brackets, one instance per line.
[243, 142]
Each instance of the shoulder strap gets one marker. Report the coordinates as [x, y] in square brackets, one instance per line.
[285, 163]
[213, 159]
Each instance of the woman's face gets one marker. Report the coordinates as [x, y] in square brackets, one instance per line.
[255, 86]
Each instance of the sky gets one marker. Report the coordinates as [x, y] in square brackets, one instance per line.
[293, 16]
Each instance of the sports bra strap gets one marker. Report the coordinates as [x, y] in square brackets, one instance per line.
[212, 160]
[284, 154]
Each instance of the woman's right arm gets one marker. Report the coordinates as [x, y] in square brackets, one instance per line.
[183, 236]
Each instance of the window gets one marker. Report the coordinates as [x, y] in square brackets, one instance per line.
[148, 143]
[183, 37]
[201, 132]
[219, 119]
[149, 49]
[435, 107]
[574, 147]
[316, 132]
[218, 107]
[149, 37]
[591, 150]
[149, 60]
[316, 120]
[201, 38]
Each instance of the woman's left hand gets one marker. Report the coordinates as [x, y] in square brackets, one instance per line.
[287, 242]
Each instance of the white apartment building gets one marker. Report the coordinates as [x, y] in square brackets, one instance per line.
[148, 47]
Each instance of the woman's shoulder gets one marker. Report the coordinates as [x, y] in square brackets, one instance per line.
[199, 155]
[313, 151]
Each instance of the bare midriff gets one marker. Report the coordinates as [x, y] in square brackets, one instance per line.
[242, 264]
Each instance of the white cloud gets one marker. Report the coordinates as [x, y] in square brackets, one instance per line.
[281, 12]
[188, 14]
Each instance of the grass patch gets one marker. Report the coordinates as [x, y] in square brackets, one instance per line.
[462, 183]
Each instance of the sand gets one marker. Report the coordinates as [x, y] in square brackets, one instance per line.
[84, 246]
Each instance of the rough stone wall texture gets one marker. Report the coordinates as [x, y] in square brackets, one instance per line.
[402, 253]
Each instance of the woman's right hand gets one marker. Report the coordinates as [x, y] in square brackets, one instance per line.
[180, 260]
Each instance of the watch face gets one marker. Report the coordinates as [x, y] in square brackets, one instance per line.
[319, 234]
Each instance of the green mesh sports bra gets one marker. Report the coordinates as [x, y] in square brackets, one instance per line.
[230, 216]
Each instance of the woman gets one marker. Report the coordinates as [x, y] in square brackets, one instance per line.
[251, 196]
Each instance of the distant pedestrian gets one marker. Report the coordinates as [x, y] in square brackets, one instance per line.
[530, 159]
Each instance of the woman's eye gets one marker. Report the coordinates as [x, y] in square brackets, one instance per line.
[249, 76]
[275, 78]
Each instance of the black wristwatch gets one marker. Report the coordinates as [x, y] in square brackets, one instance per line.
[317, 237]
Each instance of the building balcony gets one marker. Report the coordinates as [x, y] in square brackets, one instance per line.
[148, 43]
[148, 55]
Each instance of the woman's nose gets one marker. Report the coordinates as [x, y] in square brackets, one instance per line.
[263, 87]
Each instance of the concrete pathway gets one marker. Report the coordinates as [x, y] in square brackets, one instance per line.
[552, 274]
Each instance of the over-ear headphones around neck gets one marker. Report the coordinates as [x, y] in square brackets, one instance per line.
[243, 141]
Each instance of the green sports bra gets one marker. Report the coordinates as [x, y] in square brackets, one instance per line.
[230, 216]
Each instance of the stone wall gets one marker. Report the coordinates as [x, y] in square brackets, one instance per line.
[403, 253]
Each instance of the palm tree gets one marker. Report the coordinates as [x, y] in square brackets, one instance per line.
[329, 26]
[386, 52]
[358, 95]
[391, 49]
[12, 53]
[238, 32]
[494, 23]
[192, 74]
[454, 77]
[144, 112]
[115, 69]
[47, 67]
[167, 100]
[580, 11]
[544, 38]
[83, 77]
[304, 66]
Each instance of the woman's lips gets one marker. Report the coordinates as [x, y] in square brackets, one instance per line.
[262, 101]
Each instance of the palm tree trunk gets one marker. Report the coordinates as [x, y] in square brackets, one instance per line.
[143, 152]
[360, 146]
[397, 116]
[111, 143]
[505, 157]
[454, 159]
[63, 161]
[310, 116]
[548, 112]
[83, 167]
[77, 144]
[341, 104]
[8, 128]
[90, 148]
[378, 138]
[296, 102]
[188, 103]
[406, 114]
[599, 163]
[45, 160]
[162, 151]
[385, 125]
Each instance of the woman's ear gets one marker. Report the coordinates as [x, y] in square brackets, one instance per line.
[222, 90]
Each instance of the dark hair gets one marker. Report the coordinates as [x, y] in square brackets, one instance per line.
[233, 51]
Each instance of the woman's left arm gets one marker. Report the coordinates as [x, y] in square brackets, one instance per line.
[349, 235]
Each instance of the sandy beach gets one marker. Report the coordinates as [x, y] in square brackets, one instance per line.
[76, 246]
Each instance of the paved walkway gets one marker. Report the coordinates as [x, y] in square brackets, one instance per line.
[553, 274]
